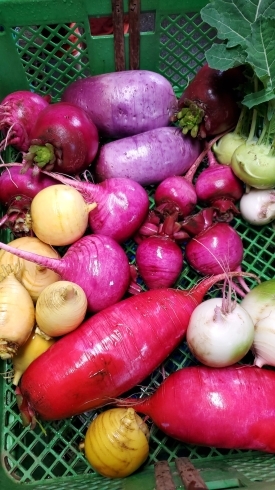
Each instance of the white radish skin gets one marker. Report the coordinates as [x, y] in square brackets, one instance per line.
[59, 215]
[17, 316]
[264, 341]
[258, 206]
[260, 303]
[219, 334]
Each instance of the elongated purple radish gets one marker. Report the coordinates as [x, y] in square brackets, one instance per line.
[96, 263]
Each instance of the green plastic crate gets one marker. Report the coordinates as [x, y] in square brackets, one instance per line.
[37, 53]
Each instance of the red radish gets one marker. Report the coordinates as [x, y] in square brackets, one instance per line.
[209, 104]
[177, 193]
[18, 113]
[232, 407]
[110, 353]
[16, 193]
[218, 186]
[216, 249]
[159, 261]
[64, 139]
[96, 263]
[122, 205]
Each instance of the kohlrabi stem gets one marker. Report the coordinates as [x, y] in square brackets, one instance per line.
[254, 116]
[241, 124]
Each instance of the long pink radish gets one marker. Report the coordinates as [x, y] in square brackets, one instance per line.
[232, 407]
[96, 263]
[110, 353]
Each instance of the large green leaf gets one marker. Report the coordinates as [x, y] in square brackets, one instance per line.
[225, 58]
[257, 98]
[261, 50]
[233, 18]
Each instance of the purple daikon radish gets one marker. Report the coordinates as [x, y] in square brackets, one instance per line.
[126, 102]
[149, 157]
[96, 263]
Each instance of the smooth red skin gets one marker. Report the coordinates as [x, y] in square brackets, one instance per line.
[14, 183]
[149, 157]
[219, 249]
[218, 182]
[71, 129]
[159, 261]
[122, 205]
[126, 102]
[97, 263]
[232, 407]
[21, 110]
[212, 90]
[178, 193]
[109, 353]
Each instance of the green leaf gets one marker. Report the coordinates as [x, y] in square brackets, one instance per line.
[233, 18]
[261, 50]
[222, 58]
[256, 98]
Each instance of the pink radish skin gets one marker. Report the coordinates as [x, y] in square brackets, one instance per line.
[18, 113]
[176, 194]
[16, 193]
[219, 247]
[232, 407]
[122, 205]
[96, 263]
[110, 353]
[14, 183]
[159, 261]
[71, 134]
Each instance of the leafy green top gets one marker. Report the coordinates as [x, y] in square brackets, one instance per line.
[247, 28]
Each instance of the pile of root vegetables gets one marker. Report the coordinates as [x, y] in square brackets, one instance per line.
[121, 159]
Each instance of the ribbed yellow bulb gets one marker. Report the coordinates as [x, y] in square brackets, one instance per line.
[116, 442]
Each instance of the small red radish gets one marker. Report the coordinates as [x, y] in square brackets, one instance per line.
[17, 190]
[18, 113]
[64, 139]
[159, 261]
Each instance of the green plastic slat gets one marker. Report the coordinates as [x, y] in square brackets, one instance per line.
[39, 45]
